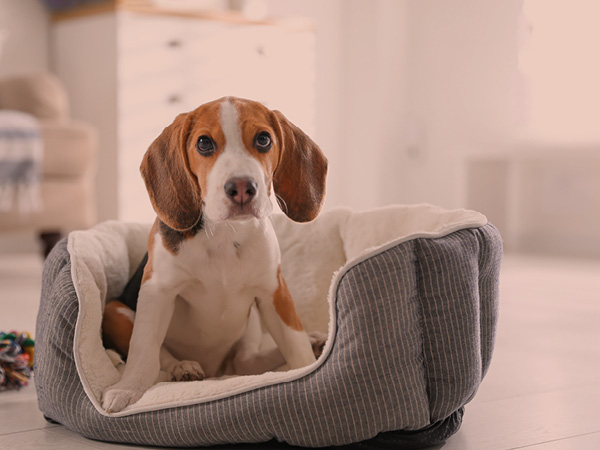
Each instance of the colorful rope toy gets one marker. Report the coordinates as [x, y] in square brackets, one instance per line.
[16, 360]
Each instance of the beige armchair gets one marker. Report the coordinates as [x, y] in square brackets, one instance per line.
[70, 146]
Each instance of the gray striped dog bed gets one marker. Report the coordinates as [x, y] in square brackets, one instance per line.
[409, 298]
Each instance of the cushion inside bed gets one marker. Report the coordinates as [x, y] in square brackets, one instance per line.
[314, 258]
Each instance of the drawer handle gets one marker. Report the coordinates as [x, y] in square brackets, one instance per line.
[175, 43]
[175, 98]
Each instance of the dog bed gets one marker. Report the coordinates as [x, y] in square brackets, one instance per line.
[407, 294]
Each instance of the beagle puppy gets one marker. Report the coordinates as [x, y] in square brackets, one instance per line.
[212, 276]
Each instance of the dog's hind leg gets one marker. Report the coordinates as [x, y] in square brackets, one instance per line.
[117, 327]
[255, 352]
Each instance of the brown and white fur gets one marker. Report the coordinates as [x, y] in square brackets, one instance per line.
[214, 267]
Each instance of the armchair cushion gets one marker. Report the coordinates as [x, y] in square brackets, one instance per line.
[69, 148]
[41, 95]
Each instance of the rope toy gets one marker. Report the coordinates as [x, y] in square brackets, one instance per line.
[16, 360]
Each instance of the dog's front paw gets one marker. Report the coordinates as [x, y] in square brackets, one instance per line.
[186, 371]
[115, 399]
[317, 341]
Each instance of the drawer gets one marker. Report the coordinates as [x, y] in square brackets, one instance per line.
[209, 93]
[139, 31]
[135, 66]
[157, 91]
[244, 87]
[290, 45]
[198, 29]
[155, 118]
[146, 125]
[232, 42]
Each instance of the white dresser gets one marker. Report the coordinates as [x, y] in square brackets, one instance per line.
[131, 71]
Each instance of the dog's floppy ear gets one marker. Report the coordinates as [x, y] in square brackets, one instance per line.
[174, 193]
[299, 179]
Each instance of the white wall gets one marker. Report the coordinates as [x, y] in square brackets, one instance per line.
[405, 89]
[26, 48]
[329, 89]
[419, 86]
[361, 50]
[374, 101]
[465, 90]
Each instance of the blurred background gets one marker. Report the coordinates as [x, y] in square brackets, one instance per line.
[491, 105]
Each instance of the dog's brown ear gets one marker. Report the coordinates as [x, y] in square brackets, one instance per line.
[174, 193]
[299, 179]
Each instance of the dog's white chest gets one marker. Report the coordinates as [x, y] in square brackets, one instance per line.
[228, 267]
[231, 256]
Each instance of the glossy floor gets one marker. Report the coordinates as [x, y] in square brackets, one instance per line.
[542, 391]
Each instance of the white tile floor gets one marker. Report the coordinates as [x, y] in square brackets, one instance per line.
[542, 391]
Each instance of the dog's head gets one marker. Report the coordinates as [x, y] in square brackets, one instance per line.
[222, 159]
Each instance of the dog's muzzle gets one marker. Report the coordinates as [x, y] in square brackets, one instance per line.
[241, 192]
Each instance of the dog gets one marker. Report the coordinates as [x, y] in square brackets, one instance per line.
[212, 275]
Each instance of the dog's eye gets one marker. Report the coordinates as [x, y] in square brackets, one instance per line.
[263, 142]
[205, 146]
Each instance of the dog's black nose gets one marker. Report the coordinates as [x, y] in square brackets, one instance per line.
[241, 190]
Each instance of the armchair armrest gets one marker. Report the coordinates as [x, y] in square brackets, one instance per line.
[70, 148]
[41, 95]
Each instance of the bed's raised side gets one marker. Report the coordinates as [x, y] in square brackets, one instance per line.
[379, 377]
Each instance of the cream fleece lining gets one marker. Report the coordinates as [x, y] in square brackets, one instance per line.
[315, 257]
